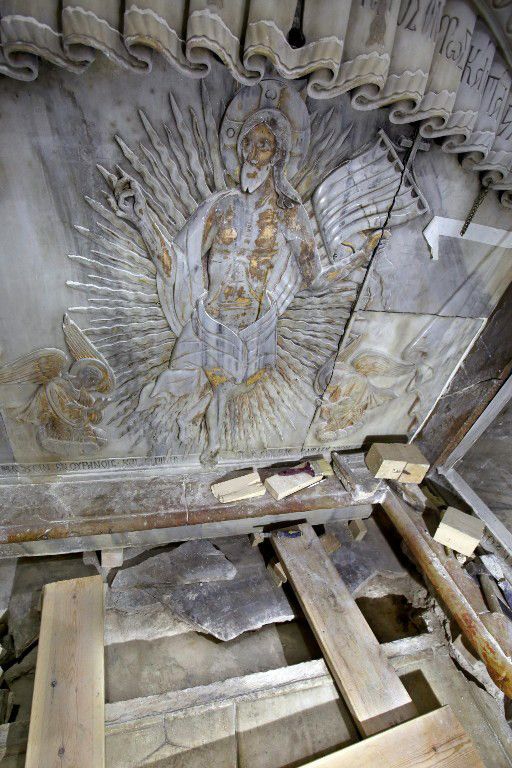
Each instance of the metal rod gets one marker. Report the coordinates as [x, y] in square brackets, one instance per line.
[498, 664]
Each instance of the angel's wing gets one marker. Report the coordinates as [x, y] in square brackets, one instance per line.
[176, 167]
[370, 191]
[78, 343]
[326, 151]
[37, 367]
[371, 363]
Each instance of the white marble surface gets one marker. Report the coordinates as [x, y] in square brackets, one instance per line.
[435, 344]
[59, 127]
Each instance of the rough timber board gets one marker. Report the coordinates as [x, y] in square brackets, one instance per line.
[67, 721]
[371, 688]
[435, 740]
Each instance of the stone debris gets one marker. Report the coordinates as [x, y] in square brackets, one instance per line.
[358, 561]
[190, 563]
[183, 587]
[227, 609]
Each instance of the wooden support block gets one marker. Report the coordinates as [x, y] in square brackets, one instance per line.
[112, 558]
[459, 531]
[67, 721]
[281, 486]
[236, 485]
[397, 461]
[416, 466]
[358, 529]
[276, 570]
[370, 686]
[256, 538]
[330, 543]
[322, 467]
[385, 460]
[434, 740]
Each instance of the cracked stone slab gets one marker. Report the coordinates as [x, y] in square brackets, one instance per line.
[399, 365]
[191, 563]
[358, 562]
[227, 609]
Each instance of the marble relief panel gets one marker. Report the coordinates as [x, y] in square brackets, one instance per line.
[389, 375]
[468, 277]
[207, 267]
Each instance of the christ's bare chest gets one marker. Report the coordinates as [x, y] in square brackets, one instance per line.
[248, 244]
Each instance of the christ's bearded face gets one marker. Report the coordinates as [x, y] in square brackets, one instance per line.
[258, 155]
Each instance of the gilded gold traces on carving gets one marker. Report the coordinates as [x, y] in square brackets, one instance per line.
[258, 376]
[267, 227]
[227, 233]
[165, 258]
[216, 376]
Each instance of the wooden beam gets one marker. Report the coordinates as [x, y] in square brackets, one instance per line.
[370, 686]
[67, 721]
[435, 740]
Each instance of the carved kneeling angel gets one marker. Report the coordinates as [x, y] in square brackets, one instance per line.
[69, 401]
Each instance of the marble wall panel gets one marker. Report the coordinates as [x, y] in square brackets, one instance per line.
[469, 277]
[52, 135]
[388, 379]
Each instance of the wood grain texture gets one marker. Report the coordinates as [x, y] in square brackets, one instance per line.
[67, 722]
[370, 686]
[435, 740]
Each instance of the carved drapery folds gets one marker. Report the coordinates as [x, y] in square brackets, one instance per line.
[433, 62]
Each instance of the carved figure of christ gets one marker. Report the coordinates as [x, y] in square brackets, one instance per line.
[247, 252]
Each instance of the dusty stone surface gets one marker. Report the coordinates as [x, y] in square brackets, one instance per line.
[192, 739]
[278, 731]
[139, 668]
[189, 563]
[7, 573]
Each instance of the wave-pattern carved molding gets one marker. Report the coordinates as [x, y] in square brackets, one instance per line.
[443, 64]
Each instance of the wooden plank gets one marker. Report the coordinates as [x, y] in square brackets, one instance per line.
[370, 686]
[435, 740]
[67, 722]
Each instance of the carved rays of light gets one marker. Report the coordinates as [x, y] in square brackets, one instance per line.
[118, 279]
[177, 169]
[308, 334]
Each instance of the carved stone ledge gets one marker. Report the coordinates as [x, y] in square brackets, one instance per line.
[58, 517]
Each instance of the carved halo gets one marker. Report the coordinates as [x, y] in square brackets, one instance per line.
[270, 94]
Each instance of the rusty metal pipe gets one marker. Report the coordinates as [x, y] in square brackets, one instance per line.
[498, 664]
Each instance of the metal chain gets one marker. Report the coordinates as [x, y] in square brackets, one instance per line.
[478, 201]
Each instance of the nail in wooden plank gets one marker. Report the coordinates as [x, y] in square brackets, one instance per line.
[434, 740]
[370, 686]
[67, 721]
